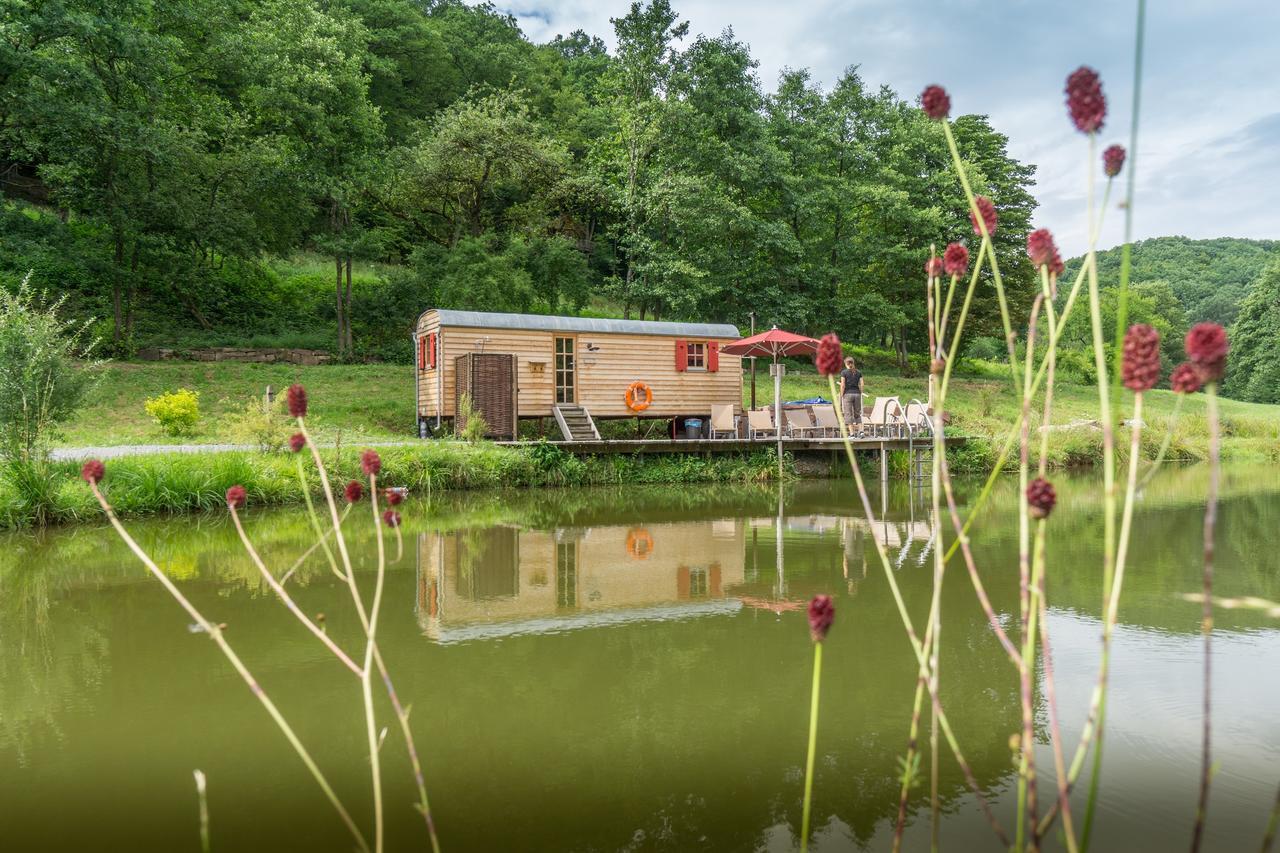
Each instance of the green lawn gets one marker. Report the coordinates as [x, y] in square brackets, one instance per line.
[365, 402]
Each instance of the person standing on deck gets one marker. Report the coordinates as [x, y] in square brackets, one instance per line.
[851, 394]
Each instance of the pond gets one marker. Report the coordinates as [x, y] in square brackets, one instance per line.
[629, 669]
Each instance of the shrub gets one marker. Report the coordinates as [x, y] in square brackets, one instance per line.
[177, 412]
[264, 426]
[40, 383]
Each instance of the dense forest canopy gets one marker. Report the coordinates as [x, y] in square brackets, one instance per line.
[160, 158]
[1210, 278]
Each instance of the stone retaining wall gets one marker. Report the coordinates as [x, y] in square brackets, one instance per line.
[242, 354]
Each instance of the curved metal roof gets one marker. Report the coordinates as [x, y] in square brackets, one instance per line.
[547, 323]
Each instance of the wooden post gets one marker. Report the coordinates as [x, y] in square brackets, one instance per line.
[884, 465]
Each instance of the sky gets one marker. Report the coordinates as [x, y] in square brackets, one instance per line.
[1208, 153]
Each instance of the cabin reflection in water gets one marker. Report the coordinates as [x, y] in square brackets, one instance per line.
[506, 580]
[498, 581]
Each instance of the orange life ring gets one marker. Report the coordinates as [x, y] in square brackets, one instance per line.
[638, 397]
[639, 543]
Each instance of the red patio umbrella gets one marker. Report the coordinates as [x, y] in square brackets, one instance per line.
[772, 344]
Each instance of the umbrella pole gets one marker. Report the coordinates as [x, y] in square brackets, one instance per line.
[777, 409]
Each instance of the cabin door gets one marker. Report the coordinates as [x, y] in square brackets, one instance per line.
[566, 371]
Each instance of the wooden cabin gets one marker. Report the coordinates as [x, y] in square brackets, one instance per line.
[574, 369]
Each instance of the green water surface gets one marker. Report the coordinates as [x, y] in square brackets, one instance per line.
[601, 670]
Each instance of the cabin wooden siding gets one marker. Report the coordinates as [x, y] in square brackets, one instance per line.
[606, 363]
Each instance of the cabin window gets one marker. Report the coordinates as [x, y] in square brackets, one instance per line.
[565, 371]
[702, 356]
[696, 355]
[427, 351]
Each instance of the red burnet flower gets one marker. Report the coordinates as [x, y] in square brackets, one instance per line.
[1085, 101]
[296, 397]
[1056, 266]
[297, 441]
[370, 463]
[1040, 247]
[933, 267]
[391, 518]
[236, 496]
[1141, 362]
[1185, 379]
[93, 471]
[353, 492]
[829, 355]
[988, 211]
[935, 102]
[1041, 497]
[1207, 348]
[822, 612]
[955, 260]
[393, 496]
[1113, 160]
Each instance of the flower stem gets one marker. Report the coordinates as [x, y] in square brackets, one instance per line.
[366, 680]
[1108, 486]
[215, 633]
[1206, 621]
[995, 268]
[287, 599]
[813, 746]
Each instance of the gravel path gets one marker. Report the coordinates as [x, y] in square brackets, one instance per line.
[68, 453]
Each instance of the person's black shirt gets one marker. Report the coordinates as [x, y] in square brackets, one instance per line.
[852, 381]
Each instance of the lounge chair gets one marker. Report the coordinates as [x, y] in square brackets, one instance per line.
[798, 422]
[723, 423]
[917, 419]
[760, 421]
[825, 418]
[886, 416]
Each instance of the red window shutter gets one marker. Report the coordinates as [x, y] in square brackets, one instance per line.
[682, 356]
[431, 350]
[422, 353]
[713, 356]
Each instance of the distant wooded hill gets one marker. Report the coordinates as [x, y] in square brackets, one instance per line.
[1211, 278]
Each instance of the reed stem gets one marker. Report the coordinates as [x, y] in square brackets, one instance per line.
[202, 794]
[813, 747]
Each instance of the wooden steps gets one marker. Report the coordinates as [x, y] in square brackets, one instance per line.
[576, 423]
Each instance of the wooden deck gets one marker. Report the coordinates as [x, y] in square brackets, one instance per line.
[735, 445]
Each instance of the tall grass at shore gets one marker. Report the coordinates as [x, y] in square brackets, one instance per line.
[193, 482]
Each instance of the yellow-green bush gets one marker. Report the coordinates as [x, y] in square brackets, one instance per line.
[177, 412]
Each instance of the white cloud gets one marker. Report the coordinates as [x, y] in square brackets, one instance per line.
[1207, 154]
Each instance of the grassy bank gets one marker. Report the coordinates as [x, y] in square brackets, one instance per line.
[375, 402]
[187, 482]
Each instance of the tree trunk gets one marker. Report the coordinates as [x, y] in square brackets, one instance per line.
[339, 306]
[350, 340]
[130, 292]
[117, 290]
